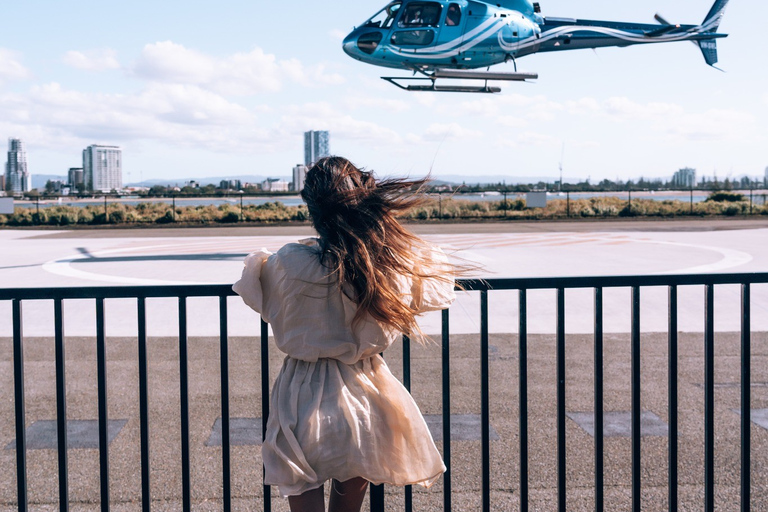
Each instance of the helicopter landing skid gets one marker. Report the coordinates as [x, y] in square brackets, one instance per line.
[457, 74]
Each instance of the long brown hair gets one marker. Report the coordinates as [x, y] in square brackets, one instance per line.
[363, 245]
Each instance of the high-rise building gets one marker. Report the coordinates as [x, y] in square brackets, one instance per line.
[17, 179]
[299, 175]
[684, 178]
[102, 168]
[766, 177]
[75, 178]
[316, 146]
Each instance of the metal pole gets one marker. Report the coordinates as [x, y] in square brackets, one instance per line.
[691, 200]
[505, 203]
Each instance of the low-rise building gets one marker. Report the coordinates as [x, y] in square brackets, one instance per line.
[275, 185]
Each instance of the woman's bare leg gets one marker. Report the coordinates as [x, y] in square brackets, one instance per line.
[347, 496]
[310, 501]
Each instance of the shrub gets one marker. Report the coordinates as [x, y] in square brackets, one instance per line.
[722, 196]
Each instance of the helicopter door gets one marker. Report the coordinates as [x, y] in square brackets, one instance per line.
[452, 25]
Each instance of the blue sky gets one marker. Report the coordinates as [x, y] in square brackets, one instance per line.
[199, 89]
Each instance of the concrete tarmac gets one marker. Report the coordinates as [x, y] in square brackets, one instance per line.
[214, 255]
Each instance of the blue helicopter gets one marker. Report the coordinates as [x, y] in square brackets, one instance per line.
[453, 39]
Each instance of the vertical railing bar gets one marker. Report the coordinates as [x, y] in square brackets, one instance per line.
[523, 392]
[18, 390]
[226, 468]
[265, 402]
[186, 493]
[672, 400]
[709, 398]
[746, 408]
[485, 414]
[61, 405]
[377, 497]
[636, 411]
[561, 454]
[599, 430]
[101, 356]
[141, 309]
[446, 411]
[407, 384]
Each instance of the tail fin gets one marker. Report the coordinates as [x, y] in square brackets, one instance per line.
[709, 50]
[715, 16]
[710, 24]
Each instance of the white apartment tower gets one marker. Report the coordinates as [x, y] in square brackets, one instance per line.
[102, 168]
[299, 175]
[316, 146]
[17, 178]
[684, 178]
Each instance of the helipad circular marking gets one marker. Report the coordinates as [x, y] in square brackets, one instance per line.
[730, 258]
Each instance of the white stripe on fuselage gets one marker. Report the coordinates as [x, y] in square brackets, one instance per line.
[495, 25]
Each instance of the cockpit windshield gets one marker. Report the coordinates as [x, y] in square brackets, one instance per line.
[385, 17]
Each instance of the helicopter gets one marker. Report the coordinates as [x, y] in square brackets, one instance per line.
[455, 39]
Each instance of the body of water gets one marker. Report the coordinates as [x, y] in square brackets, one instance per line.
[758, 198]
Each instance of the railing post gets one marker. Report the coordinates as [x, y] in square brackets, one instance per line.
[18, 390]
[598, 384]
[746, 410]
[523, 392]
[61, 405]
[561, 454]
[446, 360]
[636, 405]
[485, 415]
[672, 400]
[709, 398]
[225, 432]
[265, 402]
[101, 356]
[146, 499]
[407, 385]
[186, 493]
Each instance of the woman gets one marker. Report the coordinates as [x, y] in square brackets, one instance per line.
[335, 303]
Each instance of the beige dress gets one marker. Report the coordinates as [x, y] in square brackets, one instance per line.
[336, 409]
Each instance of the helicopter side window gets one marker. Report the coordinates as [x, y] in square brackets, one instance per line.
[413, 37]
[453, 16]
[385, 17]
[421, 14]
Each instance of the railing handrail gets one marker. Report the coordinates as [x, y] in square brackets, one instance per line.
[512, 283]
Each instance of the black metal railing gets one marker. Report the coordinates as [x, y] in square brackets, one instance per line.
[483, 287]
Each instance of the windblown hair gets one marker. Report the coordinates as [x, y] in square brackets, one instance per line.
[363, 245]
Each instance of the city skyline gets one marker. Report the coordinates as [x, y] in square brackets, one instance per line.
[237, 96]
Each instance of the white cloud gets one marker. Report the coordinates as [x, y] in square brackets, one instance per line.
[240, 74]
[449, 131]
[180, 115]
[377, 104]
[10, 67]
[529, 139]
[322, 115]
[713, 125]
[629, 110]
[504, 109]
[93, 60]
[337, 34]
